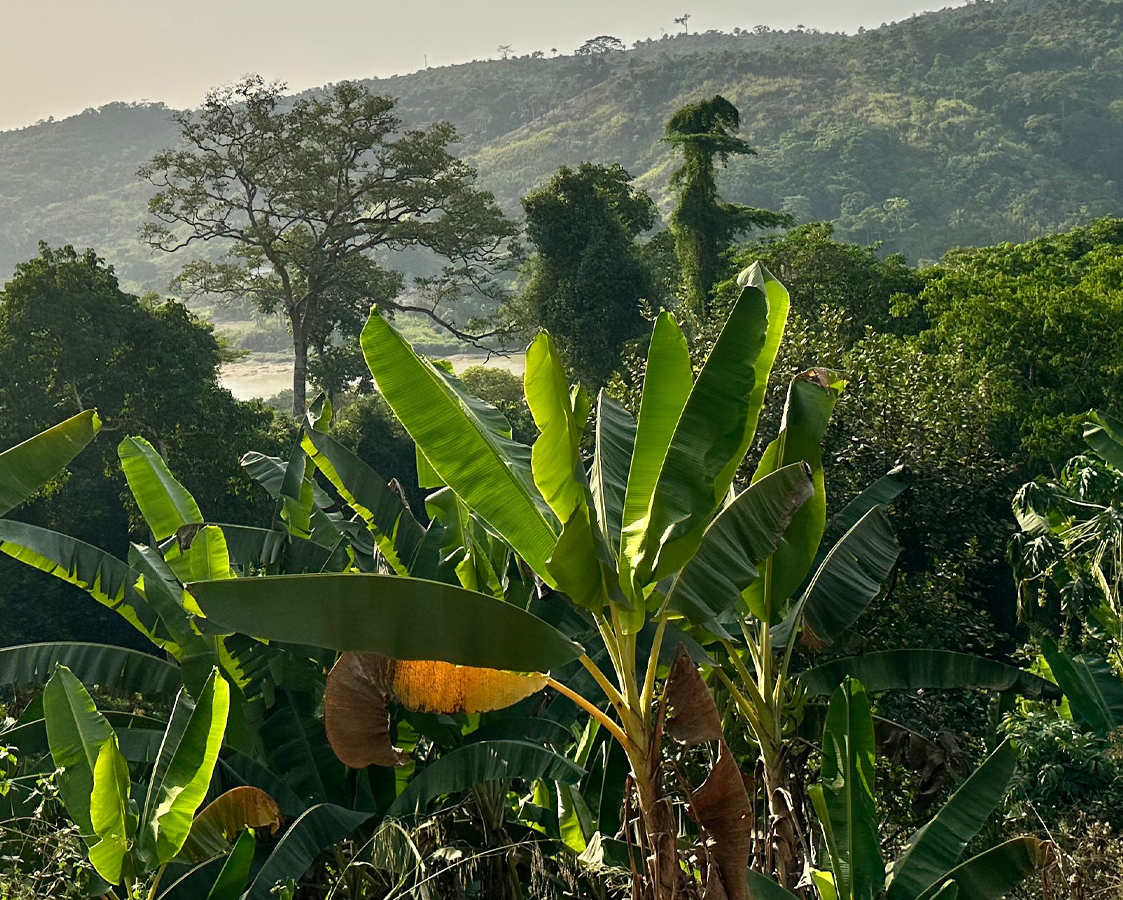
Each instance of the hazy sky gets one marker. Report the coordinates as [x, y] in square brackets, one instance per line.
[58, 57]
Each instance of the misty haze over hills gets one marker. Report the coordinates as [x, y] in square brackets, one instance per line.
[991, 122]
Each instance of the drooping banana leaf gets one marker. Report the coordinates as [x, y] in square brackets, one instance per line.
[850, 576]
[405, 618]
[995, 872]
[888, 670]
[933, 850]
[110, 667]
[467, 443]
[164, 502]
[1093, 689]
[26, 467]
[103, 577]
[482, 762]
[738, 540]
[401, 539]
[315, 831]
[811, 399]
[1104, 434]
[844, 799]
[881, 493]
[715, 429]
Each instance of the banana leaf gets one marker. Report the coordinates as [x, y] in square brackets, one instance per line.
[715, 430]
[318, 829]
[164, 502]
[467, 443]
[405, 618]
[739, 539]
[1093, 689]
[110, 667]
[936, 847]
[888, 670]
[26, 467]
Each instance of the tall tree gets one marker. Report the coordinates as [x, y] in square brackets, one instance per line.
[702, 223]
[303, 192]
[70, 340]
[587, 279]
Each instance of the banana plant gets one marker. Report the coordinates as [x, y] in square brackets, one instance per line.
[843, 564]
[930, 865]
[648, 519]
[133, 836]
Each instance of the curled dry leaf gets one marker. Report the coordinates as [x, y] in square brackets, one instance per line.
[221, 821]
[694, 717]
[361, 686]
[721, 806]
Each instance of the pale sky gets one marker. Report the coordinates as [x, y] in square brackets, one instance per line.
[58, 57]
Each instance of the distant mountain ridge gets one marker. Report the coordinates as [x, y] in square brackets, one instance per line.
[994, 121]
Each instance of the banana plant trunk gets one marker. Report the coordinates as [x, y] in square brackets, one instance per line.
[657, 875]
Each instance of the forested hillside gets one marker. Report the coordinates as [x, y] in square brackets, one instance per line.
[990, 122]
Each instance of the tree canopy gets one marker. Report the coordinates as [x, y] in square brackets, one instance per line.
[302, 193]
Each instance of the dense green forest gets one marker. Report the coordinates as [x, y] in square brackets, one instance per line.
[790, 567]
[991, 122]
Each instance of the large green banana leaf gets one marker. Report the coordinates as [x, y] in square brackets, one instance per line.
[667, 383]
[400, 537]
[1104, 434]
[314, 832]
[1093, 689]
[103, 577]
[888, 670]
[183, 769]
[75, 732]
[881, 493]
[994, 873]
[164, 502]
[713, 433]
[615, 439]
[851, 575]
[113, 822]
[559, 473]
[467, 443]
[844, 799]
[26, 467]
[738, 540]
[112, 668]
[936, 847]
[482, 762]
[406, 618]
[811, 399]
